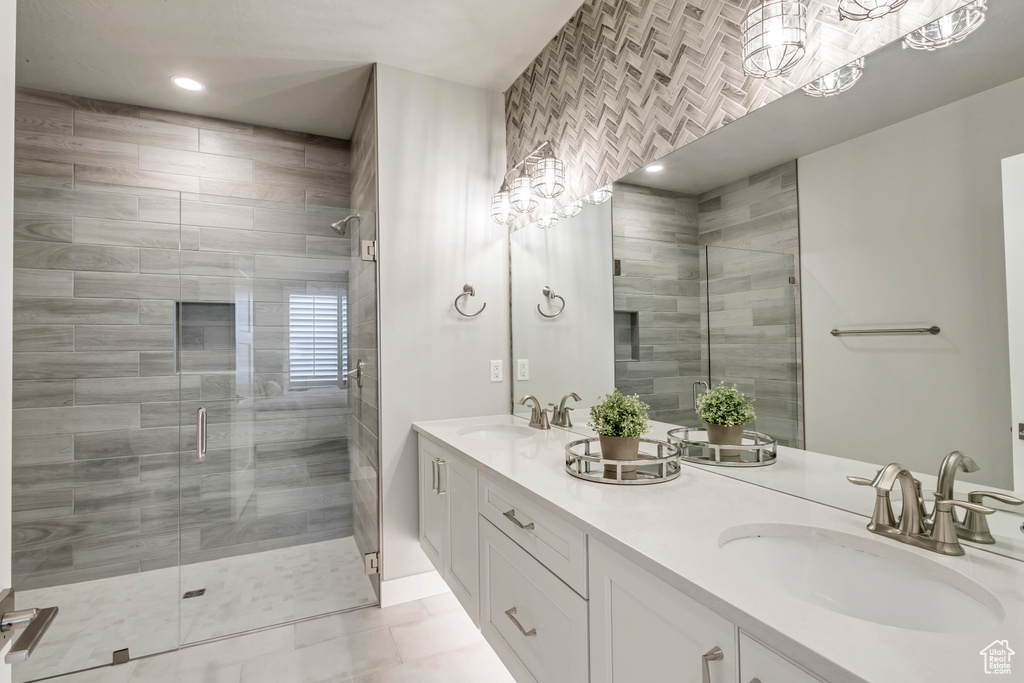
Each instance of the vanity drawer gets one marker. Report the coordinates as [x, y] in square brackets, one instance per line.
[767, 666]
[536, 624]
[558, 545]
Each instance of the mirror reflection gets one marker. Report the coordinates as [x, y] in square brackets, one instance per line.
[847, 261]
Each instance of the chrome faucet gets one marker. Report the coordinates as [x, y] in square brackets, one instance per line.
[975, 527]
[943, 536]
[538, 415]
[947, 475]
[560, 413]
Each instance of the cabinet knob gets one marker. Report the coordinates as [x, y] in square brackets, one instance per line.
[713, 655]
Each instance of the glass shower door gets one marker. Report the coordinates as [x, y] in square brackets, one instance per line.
[267, 506]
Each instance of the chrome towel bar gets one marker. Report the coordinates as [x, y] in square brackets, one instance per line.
[934, 329]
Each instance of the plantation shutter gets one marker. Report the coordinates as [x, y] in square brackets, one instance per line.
[316, 334]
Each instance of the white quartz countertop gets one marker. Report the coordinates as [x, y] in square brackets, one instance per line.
[674, 530]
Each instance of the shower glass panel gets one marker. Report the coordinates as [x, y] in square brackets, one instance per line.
[267, 532]
[752, 335]
[193, 454]
[96, 396]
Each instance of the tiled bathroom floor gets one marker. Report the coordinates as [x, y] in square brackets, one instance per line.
[427, 641]
[140, 611]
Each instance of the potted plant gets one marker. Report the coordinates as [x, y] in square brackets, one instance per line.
[620, 421]
[725, 410]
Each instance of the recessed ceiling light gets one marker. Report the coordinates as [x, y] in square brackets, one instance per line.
[655, 168]
[187, 83]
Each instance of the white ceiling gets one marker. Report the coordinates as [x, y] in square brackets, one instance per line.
[897, 85]
[294, 64]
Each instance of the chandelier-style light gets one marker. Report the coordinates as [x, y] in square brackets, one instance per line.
[949, 29]
[501, 206]
[546, 222]
[570, 210]
[599, 196]
[859, 10]
[835, 82]
[774, 37]
[548, 176]
[523, 199]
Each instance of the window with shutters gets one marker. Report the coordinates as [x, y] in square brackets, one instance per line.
[317, 339]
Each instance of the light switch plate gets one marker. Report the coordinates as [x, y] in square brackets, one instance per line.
[497, 372]
[522, 369]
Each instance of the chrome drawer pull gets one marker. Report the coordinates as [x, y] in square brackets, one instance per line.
[511, 514]
[441, 479]
[433, 474]
[511, 614]
[713, 655]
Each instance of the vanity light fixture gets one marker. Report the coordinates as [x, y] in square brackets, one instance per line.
[835, 82]
[501, 205]
[599, 196]
[548, 176]
[859, 10]
[546, 222]
[655, 168]
[570, 210]
[949, 29]
[187, 83]
[774, 36]
[539, 174]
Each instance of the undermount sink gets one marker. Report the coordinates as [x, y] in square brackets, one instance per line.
[496, 432]
[862, 578]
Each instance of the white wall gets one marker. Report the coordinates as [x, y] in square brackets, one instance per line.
[904, 227]
[1013, 221]
[575, 351]
[8, 15]
[441, 155]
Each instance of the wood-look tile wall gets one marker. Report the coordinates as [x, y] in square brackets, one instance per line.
[104, 246]
[363, 319]
[754, 309]
[655, 243]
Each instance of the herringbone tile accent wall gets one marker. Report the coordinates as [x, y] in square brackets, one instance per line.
[627, 81]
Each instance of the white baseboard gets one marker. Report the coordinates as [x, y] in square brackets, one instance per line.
[409, 588]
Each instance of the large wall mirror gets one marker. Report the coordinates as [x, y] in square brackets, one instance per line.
[895, 205]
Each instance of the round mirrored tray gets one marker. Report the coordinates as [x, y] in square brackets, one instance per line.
[757, 449]
[657, 461]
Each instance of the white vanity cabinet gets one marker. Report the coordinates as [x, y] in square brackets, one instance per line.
[449, 521]
[642, 629]
[760, 664]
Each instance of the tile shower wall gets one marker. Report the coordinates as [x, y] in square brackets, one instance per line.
[363, 319]
[627, 81]
[655, 243]
[96, 438]
[754, 309]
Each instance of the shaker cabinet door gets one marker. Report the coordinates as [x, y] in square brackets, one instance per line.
[431, 504]
[642, 629]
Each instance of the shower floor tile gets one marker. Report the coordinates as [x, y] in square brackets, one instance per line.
[363, 646]
[141, 611]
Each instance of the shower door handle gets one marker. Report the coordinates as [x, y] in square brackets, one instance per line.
[201, 434]
[695, 385]
[358, 372]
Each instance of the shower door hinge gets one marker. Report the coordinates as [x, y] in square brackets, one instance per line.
[369, 250]
[372, 561]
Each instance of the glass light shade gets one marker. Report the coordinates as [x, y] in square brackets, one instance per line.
[501, 206]
[859, 10]
[835, 82]
[570, 210]
[548, 177]
[949, 29]
[523, 199]
[774, 37]
[599, 196]
[546, 222]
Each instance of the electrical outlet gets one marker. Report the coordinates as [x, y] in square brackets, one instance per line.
[497, 374]
[522, 369]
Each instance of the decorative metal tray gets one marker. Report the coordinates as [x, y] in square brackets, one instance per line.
[583, 462]
[757, 449]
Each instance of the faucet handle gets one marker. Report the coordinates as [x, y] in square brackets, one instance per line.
[979, 496]
[859, 481]
[944, 529]
[975, 527]
[947, 505]
[882, 515]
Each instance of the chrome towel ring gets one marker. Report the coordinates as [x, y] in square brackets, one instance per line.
[468, 290]
[550, 294]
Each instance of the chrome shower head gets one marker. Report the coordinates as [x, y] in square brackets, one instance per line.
[341, 226]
